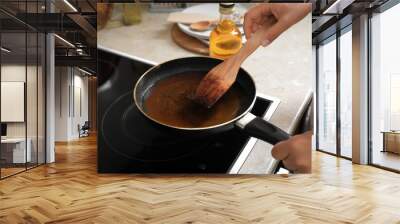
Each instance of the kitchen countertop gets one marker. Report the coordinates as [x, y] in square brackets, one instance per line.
[282, 70]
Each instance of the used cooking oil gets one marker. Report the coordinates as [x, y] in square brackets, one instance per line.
[226, 38]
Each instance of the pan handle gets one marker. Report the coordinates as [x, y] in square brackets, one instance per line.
[262, 129]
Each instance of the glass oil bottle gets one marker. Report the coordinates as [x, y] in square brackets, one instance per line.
[226, 38]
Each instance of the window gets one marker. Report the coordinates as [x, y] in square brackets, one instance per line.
[385, 89]
[22, 77]
[327, 96]
[346, 93]
[333, 77]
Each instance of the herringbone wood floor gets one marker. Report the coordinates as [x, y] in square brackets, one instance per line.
[70, 191]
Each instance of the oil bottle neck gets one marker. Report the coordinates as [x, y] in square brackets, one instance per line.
[228, 16]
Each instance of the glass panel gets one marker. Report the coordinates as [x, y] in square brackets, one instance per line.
[327, 96]
[345, 94]
[314, 71]
[23, 90]
[31, 99]
[32, 89]
[41, 98]
[385, 84]
[13, 87]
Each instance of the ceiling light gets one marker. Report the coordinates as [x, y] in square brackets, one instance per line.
[84, 71]
[5, 50]
[80, 51]
[70, 5]
[337, 7]
[65, 41]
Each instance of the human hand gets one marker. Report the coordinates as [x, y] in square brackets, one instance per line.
[274, 18]
[295, 153]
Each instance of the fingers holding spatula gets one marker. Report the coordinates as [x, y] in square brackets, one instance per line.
[218, 81]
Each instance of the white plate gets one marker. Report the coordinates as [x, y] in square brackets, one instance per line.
[207, 9]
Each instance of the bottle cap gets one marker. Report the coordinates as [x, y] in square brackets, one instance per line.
[226, 8]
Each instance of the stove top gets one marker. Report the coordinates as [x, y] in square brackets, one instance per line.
[129, 143]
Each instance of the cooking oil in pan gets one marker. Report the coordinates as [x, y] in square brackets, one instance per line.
[169, 103]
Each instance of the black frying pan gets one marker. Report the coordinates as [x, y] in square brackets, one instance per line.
[250, 124]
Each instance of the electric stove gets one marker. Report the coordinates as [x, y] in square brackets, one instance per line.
[129, 143]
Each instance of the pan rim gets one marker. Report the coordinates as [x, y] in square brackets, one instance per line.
[233, 120]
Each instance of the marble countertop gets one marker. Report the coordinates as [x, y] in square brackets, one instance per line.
[282, 70]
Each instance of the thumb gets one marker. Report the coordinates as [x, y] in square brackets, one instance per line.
[280, 151]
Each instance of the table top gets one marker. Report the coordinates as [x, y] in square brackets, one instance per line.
[391, 132]
[13, 140]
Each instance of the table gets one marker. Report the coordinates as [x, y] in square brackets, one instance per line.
[391, 141]
[15, 148]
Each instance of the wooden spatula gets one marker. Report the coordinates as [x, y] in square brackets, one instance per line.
[217, 81]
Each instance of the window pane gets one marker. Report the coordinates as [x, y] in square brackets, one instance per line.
[345, 94]
[385, 84]
[14, 153]
[327, 97]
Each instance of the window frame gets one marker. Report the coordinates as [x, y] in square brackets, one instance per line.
[29, 29]
[334, 37]
[381, 9]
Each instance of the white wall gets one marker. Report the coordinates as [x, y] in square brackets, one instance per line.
[61, 103]
[17, 72]
[79, 117]
[14, 73]
[70, 83]
[11, 73]
[12, 101]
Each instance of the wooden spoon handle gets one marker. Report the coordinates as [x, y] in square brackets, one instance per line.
[251, 45]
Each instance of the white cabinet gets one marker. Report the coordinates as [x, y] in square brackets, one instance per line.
[17, 147]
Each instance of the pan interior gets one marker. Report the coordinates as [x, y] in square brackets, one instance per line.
[159, 95]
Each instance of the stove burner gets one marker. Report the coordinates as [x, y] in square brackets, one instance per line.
[129, 143]
[124, 128]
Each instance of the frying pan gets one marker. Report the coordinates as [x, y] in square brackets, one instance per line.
[245, 121]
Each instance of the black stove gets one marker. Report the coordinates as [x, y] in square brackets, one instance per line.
[129, 143]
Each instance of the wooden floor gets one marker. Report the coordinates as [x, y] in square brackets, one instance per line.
[10, 171]
[70, 191]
